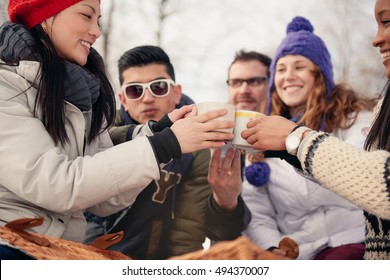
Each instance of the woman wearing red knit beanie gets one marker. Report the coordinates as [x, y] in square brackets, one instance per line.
[56, 104]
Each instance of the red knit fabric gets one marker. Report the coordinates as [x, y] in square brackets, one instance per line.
[33, 12]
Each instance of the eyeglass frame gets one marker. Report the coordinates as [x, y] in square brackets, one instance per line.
[262, 80]
[145, 86]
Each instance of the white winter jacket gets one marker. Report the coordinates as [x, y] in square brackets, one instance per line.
[291, 205]
[39, 178]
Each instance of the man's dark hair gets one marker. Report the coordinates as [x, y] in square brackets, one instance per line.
[252, 55]
[142, 56]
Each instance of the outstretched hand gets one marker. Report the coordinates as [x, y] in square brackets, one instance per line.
[195, 132]
[268, 133]
[225, 178]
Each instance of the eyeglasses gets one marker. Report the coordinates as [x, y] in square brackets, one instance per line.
[252, 82]
[158, 88]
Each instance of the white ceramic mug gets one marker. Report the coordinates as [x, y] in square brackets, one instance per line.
[210, 106]
[242, 117]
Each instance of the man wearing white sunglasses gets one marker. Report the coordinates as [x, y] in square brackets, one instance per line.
[173, 215]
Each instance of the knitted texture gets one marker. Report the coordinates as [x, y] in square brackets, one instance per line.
[257, 173]
[300, 40]
[33, 12]
[359, 176]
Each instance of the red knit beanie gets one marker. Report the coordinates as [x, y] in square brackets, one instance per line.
[33, 12]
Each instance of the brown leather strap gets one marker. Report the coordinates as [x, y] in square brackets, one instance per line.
[20, 225]
[25, 223]
[105, 241]
[102, 242]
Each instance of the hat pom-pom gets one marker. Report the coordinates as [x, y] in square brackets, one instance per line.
[257, 173]
[298, 24]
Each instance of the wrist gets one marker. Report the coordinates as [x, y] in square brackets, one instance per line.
[228, 205]
[294, 139]
[163, 123]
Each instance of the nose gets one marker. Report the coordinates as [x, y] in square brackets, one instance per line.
[244, 87]
[378, 39]
[244, 90]
[95, 30]
[148, 96]
[290, 73]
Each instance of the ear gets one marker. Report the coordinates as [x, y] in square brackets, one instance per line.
[122, 99]
[44, 26]
[177, 92]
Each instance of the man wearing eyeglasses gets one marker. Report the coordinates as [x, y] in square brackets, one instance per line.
[248, 76]
[247, 82]
[173, 215]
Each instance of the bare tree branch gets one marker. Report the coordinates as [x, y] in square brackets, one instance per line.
[107, 30]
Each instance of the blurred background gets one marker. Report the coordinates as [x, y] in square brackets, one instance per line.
[201, 37]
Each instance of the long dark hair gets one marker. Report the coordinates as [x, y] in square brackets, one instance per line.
[379, 137]
[51, 91]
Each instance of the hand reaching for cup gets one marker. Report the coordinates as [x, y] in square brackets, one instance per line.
[268, 133]
[225, 178]
[195, 132]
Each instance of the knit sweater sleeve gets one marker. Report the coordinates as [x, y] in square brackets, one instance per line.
[359, 176]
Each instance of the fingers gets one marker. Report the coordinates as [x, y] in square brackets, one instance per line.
[251, 139]
[254, 122]
[246, 134]
[212, 115]
[237, 160]
[209, 123]
[214, 136]
[180, 113]
[192, 112]
[215, 161]
[213, 144]
[219, 136]
[231, 162]
[227, 164]
[219, 125]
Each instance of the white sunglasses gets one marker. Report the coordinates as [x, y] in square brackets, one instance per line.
[157, 88]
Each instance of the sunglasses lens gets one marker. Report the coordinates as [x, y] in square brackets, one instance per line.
[159, 88]
[134, 91]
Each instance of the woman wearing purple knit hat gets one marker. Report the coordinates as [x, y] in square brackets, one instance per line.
[56, 104]
[302, 89]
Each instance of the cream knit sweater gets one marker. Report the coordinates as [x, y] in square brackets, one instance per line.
[359, 176]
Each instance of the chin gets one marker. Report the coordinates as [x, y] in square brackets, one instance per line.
[81, 59]
[388, 73]
[82, 62]
[78, 61]
[249, 107]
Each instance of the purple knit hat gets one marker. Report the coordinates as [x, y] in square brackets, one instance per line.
[301, 40]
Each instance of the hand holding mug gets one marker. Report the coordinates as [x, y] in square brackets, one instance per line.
[268, 133]
[197, 132]
[242, 117]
